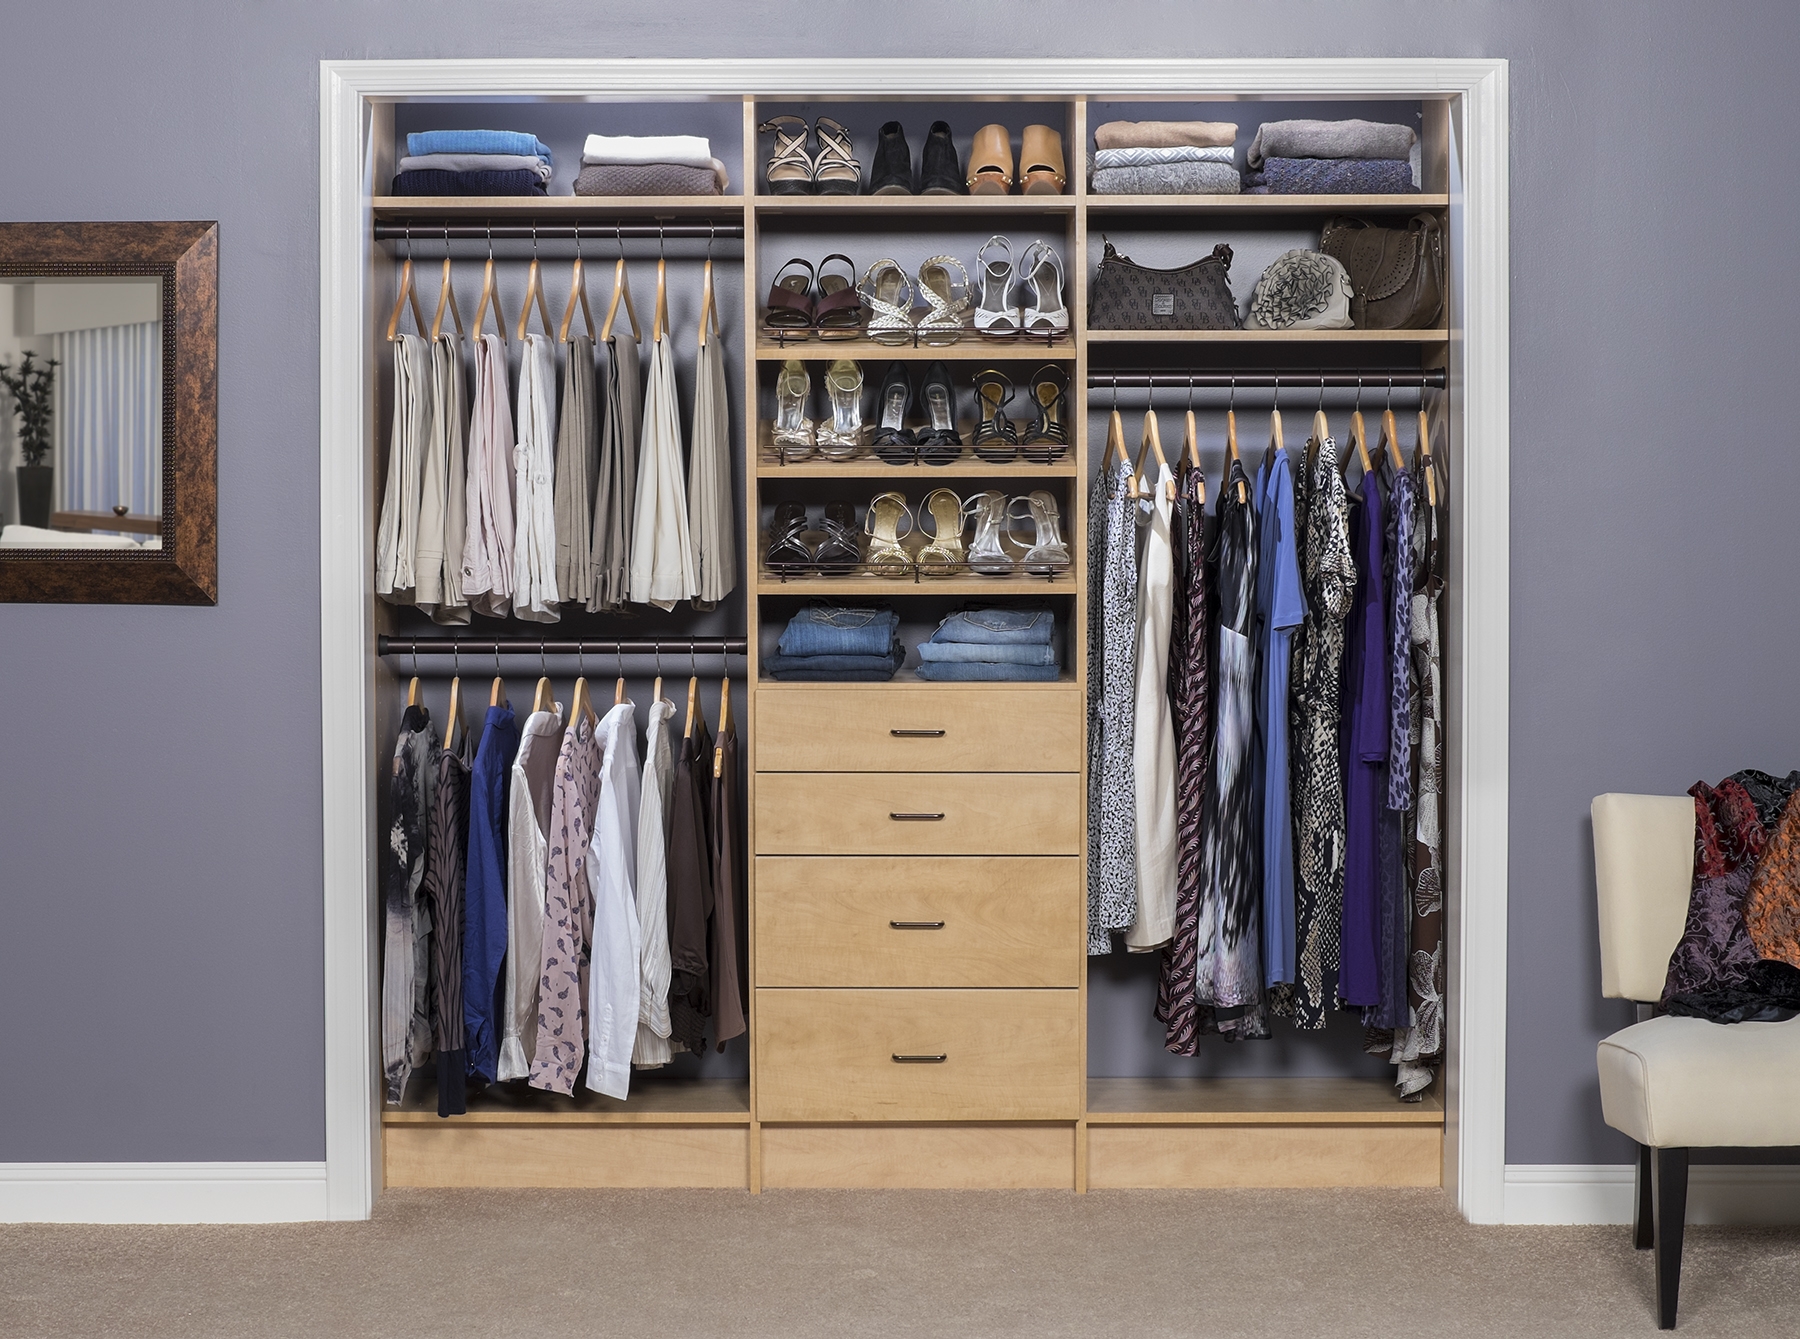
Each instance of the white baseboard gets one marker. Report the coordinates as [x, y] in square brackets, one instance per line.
[1567, 1193]
[161, 1192]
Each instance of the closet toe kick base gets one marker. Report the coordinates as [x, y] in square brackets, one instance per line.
[934, 1156]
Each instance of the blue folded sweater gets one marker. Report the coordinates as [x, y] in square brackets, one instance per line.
[423, 142]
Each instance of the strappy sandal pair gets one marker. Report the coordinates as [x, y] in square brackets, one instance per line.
[797, 548]
[994, 549]
[1045, 439]
[796, 169]
[1040, 311]
[841, 436]
[938, 442]
[805, 302]
[890, 296]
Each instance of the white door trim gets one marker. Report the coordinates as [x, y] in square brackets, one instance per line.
[1476, 1068]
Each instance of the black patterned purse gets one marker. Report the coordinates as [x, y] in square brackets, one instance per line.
[1129, 296]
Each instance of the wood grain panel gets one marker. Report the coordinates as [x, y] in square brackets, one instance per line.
[923, 1157]
[828, 1055]
[1199, 1156]
[1006, 921]
[1258, 1101]
[851, 813]
[988, 729]
[573, 1156]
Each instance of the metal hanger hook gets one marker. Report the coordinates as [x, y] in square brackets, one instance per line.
[712, 230]
[1275, 404]
[619, 237]
[656, 650]
[456, 657]
[577, 241]
[1390, 394]
[1231, 398]
[1321, 392]
[693, 664]
[534, 239]
[543, 664]
[1190, 399]
[1115, 393]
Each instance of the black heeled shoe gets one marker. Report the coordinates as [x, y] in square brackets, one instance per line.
[892, 171]
[939, 441]
[791, 553]
[840, 549]
[893, 441]
[1046, 441]
[996, 440]
[939, 171]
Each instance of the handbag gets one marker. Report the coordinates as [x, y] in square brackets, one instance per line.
[1129, 296]
[1301, 290]
[1398, 273]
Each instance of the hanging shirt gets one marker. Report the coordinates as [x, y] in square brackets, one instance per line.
[1280, 608]
[690, 889]
[1365, 749]
[1153, 738]
[568, 927]
[613, 986]
[1394, 918]
[444, 886]
[405, 963]
[662, 555]
[535, 597]
[1112, 698]
[397, 532]
[484, 902]
[652, 879]
[488, 538]
[527, 854]
[443, 508]
[729, 942]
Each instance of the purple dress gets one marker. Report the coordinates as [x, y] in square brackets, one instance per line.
[1365, 735]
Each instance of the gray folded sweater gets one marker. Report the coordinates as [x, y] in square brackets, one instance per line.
[1168, 179]
[1330, 139]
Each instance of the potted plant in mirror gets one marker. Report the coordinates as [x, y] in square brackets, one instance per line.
[30, 385]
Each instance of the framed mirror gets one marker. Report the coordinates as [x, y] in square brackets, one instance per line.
[109, 412]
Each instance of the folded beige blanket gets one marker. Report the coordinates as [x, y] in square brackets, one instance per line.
[1164, 134]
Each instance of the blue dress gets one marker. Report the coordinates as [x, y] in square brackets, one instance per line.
[484, 902]
[1280, 608]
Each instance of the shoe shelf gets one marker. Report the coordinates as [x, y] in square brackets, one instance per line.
[971, 348]
[1016, 585]
[1263, 204]
[771, 465]
[912, 206]
[905, 679]
[1268, 336]
[561, 208]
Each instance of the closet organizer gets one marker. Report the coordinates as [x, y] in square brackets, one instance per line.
[917, 901]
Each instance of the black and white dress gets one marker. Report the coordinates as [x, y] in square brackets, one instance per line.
[1112, 665]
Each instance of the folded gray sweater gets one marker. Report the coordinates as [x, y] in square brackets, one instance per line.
[1330, 139]
[1168, 179]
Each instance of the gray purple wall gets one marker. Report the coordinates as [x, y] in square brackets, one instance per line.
[160, 923]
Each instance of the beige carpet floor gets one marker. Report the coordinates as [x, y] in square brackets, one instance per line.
[844, 1264]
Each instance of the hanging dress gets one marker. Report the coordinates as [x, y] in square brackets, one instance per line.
[442, 509]
[1112, 695]
[1280, 609]
[1394, 927]
[1189, 691]
[397, 531]
[614, 990]
[535, 598]
[691, 890]
[566, 936]
[577, 454]
[1228, 974]
[1318, 786]
[527, 857]
[448, 840]
[405, 960]
[488, 531]
[709, 480]
[484, 900]
[1364, 742]
[1153, 731]
[652, 1048]
[615, 492]
[662, 553]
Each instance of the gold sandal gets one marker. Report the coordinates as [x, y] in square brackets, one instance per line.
[944, 555]
[885, 555]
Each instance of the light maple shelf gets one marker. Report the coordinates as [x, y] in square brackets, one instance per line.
[1269, 1101]
[912, 206]
[1267, 337]
[1261, 204]
[970, 349]
[872, 467]
[1014, 587]
[905, 678]
[655, 1102]
[562, 208]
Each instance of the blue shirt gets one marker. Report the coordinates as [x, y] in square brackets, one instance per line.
[484, 904]
[1280, 608]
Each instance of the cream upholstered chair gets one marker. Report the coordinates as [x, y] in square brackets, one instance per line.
[1670, 1083]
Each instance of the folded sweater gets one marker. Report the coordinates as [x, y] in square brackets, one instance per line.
[423, 142]
[477, 162]
[1330, 139]
[1179, 153]
[1168, 179]
[1333, 176]
[469, 183]
[651, 179]
[688, 150]
[1164, 134]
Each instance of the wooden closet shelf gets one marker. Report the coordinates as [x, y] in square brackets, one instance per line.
[969, 349]
[563, 208]
[1273, 1101]
[769, 464]
[1262, 204]
[904, 680]
[1267, 337]
[1014, 587]
[912, 206]
[652, 1102]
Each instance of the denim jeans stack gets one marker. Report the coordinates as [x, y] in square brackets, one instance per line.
[829, 644]
[988, 645]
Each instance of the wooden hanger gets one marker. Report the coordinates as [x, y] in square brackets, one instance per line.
[446, 298]
[621, 292]
[709, 307]
[545, 698]
[1231, 454]
[1321, 432]
[1152, 441]
[408, 290]
[724, 725]
[1427, 464]
[454, 717]
[577, 295]
[1190, 448]
[661, 319]
[534, 287]
[497, 694]
[580, 708]
[1357, 446]
[1277, 443]
[412, 692]
[490, 293]
[687, 731]
[1115, 441]
[1390, 438]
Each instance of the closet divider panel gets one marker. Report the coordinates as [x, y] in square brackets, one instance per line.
[752, 732]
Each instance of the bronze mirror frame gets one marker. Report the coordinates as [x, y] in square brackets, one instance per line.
[185, 256]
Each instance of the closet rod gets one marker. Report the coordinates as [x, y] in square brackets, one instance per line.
[554, 232]
[1430, 380]
[534, 646]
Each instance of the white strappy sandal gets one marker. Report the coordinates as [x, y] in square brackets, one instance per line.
[995, 315]
[946, 295]
[888, 294]
[1041, 275]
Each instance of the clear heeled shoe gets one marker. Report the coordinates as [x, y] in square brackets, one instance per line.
[841, 436]
[793, 433]
[1048, 553]
[943, 555]
[993, 552]
[885, 555]
[1044, 314]
[996, 316]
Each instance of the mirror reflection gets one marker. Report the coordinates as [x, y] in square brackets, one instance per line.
[80, 413]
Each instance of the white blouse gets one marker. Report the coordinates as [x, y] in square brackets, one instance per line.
[534, 541]
[1153, 743]
[653, 893]
[612, 1003]
[527, 864]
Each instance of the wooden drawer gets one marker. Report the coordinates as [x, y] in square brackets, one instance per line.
[882, 729]
[828, 1055]
[940, 813]
[962, 921]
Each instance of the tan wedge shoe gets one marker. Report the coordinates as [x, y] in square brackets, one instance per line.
[991, 162]
[1041, 170]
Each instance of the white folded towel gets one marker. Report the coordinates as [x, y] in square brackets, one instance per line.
[476, 162]
[610, 150]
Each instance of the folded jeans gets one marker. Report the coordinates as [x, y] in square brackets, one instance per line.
[998, 627]
[829, 630]
[994, 653]
[780, 665]
[985, 671]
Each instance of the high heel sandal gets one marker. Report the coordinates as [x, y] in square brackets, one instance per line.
[894, 441]
[835, 171]
[1041, 275]
[790, 167]
[886, 556]
[995, 315]
[794, 438]
[887, 293]
[1049, 430]
[842, 437]
[838, 312]
[1041, 169]
[1048, 553]
[939, 442]
[989, 554]
[996, 440]
[838, 551]
[790, 311]
[944, 555]
[946, 298]
[792, 551]
[991, 162]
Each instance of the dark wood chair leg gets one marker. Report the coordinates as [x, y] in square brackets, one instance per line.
[1644, 1232]
[1668, 1178]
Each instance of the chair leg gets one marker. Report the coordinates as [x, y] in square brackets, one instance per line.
[1669, 1177]
[1644, 1235]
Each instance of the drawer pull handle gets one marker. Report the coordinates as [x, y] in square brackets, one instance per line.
[916, 818]
[917, 925]
[919, 1059]
[917, 734]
